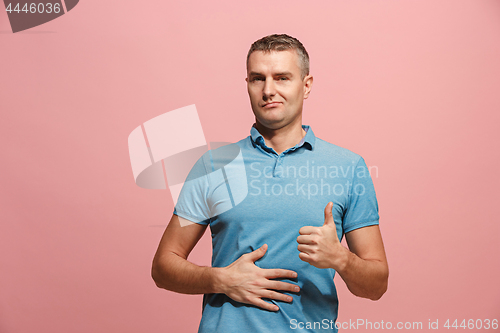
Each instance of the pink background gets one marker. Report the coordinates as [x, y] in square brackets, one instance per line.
[412, 86]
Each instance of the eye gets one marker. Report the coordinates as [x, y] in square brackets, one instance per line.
[283, 78]
[257, 79]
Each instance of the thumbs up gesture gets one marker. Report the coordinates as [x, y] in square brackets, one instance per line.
[320, 246]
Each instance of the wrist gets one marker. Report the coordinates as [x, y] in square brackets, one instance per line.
[342, 260]
[218, 280]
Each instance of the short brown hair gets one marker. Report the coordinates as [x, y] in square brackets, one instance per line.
[282, 43]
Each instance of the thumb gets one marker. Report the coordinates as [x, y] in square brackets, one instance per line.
[259, 253]
[329, 215]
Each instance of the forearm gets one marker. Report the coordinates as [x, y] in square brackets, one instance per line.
[367, 278]
[242, 280]
[174, 273]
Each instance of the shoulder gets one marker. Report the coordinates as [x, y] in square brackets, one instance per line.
[330, 150]
[221, 154]
[224, 151]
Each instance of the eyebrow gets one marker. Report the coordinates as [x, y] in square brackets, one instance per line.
[254, 74]
[277, 74]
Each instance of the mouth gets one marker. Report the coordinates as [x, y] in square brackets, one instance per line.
[271, 105]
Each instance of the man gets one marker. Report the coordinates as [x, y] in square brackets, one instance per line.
[276, 252]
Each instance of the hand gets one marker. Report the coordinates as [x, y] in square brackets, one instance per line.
[246, 283]
[320, 246]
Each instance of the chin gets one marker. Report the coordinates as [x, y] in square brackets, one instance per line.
[272, 123]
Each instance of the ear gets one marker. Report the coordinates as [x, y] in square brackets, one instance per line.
[308, 82]
[246, 79]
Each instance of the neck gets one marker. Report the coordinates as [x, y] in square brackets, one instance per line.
[283, 138]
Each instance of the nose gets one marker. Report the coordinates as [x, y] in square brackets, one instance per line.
[269, 89]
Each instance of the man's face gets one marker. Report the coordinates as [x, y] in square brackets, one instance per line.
[275, 87]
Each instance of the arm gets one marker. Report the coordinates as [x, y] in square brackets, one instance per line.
[365, 270]
[242, 280]
[363, 266]
[171, 270]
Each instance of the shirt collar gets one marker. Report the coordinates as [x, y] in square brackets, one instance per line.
[307, 141]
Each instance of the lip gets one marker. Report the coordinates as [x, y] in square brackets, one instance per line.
[271, 105]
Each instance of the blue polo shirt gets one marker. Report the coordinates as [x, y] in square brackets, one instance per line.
[249, 196]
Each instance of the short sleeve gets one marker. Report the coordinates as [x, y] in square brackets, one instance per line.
[192, 202]
[362, 206]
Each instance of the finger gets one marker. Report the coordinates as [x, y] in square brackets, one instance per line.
[257, 254]
[329, 215]
[271, 294]
[307, 230]
[307, 239]
[270, 273]
[308, 249]
[265, 305]
[284, 286]
[305, 257]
